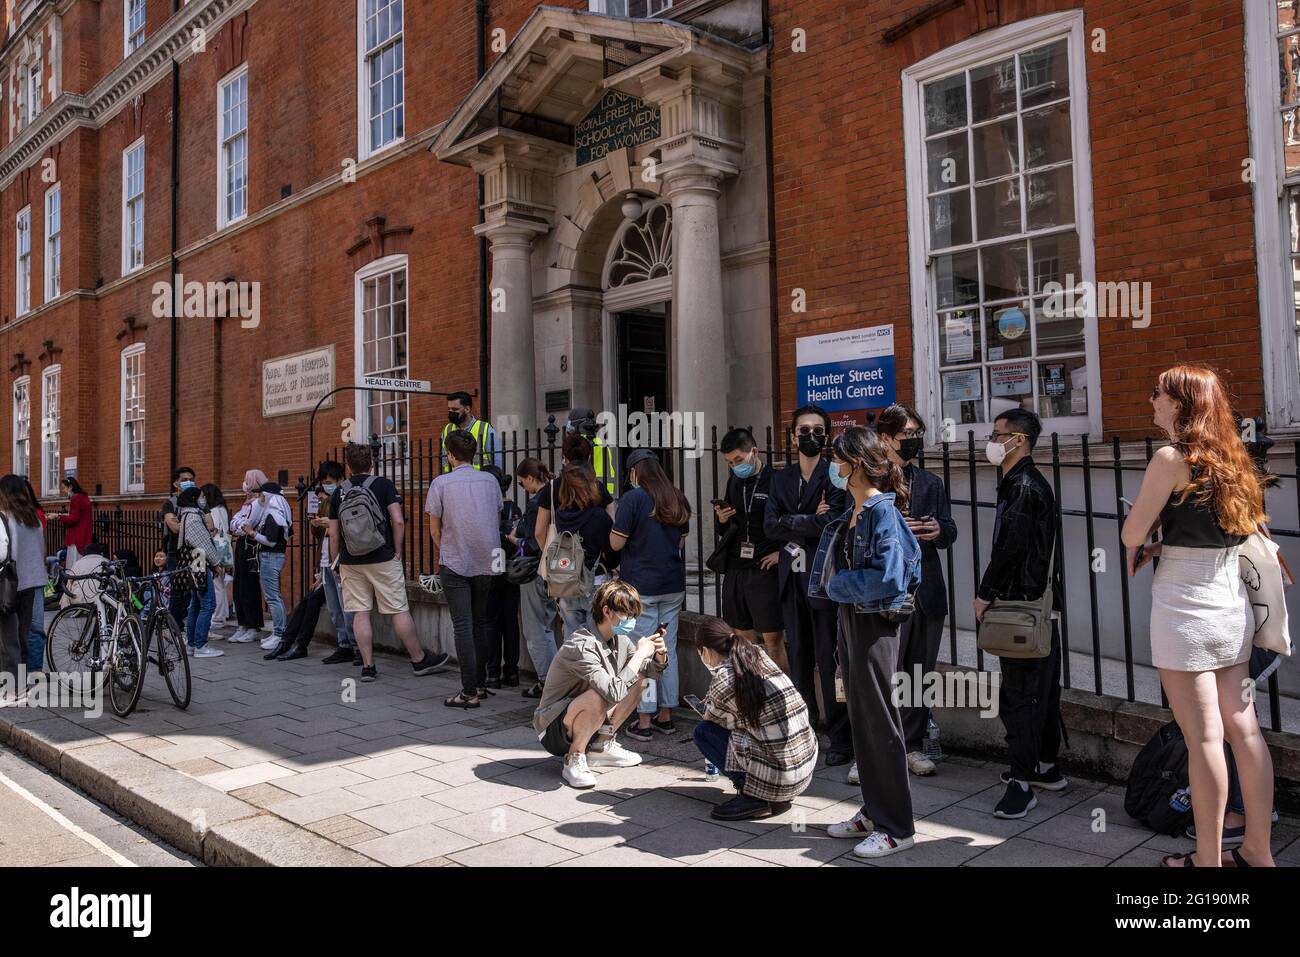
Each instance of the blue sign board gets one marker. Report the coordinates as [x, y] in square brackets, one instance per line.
[843, 371]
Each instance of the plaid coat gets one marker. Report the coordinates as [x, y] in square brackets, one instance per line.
[778, 754]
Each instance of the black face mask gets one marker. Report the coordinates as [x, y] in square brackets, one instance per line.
[811, 444]
[909, 449]
[454, 418]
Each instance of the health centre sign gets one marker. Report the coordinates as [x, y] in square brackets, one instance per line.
[847, 372]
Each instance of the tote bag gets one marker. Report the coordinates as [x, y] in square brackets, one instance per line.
[1261, 570]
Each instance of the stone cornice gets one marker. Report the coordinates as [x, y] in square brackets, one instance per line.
[130, 78]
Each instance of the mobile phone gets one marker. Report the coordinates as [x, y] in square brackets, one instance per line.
[695, 704]
[721, 503]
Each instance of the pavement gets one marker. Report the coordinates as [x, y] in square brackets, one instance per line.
[300, 763]
[46, 823]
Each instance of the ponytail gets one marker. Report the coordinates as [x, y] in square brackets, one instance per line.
[748, 666]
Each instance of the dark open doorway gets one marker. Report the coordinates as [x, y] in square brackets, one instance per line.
[643, 374]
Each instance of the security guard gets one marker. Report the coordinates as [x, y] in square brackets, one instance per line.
[460, 416]
[583, 421]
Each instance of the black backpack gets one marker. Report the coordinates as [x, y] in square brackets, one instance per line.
[1157, 793]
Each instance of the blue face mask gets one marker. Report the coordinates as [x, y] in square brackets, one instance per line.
[186, 483]
[625, 627]
[328, 487]
[744, 470]
[203, 504]
[838, 480]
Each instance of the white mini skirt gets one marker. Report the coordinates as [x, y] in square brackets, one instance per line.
[1200, 618]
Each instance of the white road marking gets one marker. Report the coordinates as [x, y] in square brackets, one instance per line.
[63, 822]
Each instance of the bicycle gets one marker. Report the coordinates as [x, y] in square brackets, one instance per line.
[173, 661]
[101, 637]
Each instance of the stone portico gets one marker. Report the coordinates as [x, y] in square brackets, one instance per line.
[671, 228]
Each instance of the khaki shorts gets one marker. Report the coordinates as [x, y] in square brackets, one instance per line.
[382, 585]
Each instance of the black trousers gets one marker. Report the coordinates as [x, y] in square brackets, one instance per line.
[302, 623]
[810, 635]
[868, 654]
[248, 587]
[467, 600]
[502, 631]
[14, 628]
[919, 638]
[1029, 701]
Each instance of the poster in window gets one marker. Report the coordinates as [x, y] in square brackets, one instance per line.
[962, 386]
[960, 338]
[1010, 380]
[1054, 379]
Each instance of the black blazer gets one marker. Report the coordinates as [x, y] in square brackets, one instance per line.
[791, 516]
[930, 497]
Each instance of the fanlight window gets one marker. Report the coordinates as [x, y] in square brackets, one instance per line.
[646, 249]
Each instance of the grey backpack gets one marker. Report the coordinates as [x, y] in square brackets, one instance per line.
[567, 574]
[362, 522]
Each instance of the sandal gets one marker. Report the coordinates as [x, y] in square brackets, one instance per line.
[1184, 860]
[458, 700]
[534, 692]
[1238, 860]
[484, 692]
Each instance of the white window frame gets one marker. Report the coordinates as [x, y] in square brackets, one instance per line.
[21, 436]
[127, 201]
[132, 40]
[23, 263]
[1274, 278]
[33, 90]
[53, 283]
[364, 148]
[988, 47]
[654, 7]
[51, 430]
[223, 163]
[129, 353]
[379, 267]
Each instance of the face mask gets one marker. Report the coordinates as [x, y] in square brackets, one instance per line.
[635, 483]
[995, 452]
[909, 449]
[453, 418]
[203, 504]
[838, 480]
[745, 469]
[185, 483]
[625, 626]
[328, 487]
[812, 444]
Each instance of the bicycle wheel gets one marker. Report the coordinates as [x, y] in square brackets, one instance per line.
[72, 645]
[173, 660]
[126, 669]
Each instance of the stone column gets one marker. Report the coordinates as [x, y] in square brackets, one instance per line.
[513, 403]
[698, 344]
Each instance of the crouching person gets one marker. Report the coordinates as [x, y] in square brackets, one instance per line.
[755, 727]
[594, 684]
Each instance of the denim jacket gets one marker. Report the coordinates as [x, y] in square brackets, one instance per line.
[886, 559]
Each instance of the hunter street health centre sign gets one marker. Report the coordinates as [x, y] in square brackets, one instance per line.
[847, 372]
[618, 120]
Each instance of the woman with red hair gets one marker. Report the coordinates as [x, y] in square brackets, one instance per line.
[1206, 496]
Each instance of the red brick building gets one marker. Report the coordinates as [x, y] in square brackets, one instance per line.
[670, 201]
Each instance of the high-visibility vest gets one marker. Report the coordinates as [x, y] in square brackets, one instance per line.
[479, 431]
[602, 463]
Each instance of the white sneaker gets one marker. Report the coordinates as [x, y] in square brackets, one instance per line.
[270, 641]
[238, 636]
[853, 774]
[189, 650]
[919, 764]
[880, 844]
[207, 651]
[857, 827]
[244, 635]
[576, 772]
[613, 755]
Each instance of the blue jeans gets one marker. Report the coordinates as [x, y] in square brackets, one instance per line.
[334, 602]
[199, 618]
[659, 610]
[36, 639]
[270, 565]
[575, 612]
[536, 613]
[712, 740]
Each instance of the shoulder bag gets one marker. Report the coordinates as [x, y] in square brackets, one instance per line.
[1019, 629]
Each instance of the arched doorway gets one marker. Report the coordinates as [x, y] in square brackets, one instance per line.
[637, 286]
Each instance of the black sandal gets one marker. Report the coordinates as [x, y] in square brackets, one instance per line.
[484, 692]
[1185, 860]
[1238, 859]
[458, 700]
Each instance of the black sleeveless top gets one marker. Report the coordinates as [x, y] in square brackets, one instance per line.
[1193, 525]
